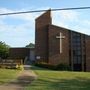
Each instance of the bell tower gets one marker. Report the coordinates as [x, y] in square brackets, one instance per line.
[41, 36]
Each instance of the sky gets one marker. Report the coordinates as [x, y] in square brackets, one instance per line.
[19, 30]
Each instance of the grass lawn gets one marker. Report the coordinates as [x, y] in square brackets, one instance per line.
[60, 80]
[7, 75]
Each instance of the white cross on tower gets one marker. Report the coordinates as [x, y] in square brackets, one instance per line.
[60, 37]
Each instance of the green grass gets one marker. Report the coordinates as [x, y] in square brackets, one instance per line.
[59, 80]
[6, 75]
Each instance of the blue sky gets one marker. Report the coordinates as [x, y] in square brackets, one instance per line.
[19, 30]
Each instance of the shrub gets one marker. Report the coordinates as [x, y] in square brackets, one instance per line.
[20, 67]
[4, 50]
[63, 66]
[46, 65]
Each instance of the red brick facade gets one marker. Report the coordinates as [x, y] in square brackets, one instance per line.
[88, 54]
[41, 36]
[55, 57]
[19, 53]
[25, 54]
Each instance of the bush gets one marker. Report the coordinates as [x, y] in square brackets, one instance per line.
[63, 66]
[20, 67]
[46, 65]
[4, 50]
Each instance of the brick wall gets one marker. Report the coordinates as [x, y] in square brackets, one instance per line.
[88, 54]
[41, 36]
[19, 53]
[55, 57]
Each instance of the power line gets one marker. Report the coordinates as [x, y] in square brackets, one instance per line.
[77, 8]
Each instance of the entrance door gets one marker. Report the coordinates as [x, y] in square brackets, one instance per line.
[32, 55]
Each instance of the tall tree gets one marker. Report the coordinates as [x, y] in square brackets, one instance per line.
[31, 45]
[4, 50]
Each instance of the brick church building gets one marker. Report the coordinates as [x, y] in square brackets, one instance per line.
[55, 45]
[27, 55]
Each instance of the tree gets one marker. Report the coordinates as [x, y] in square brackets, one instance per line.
[31, 45]
[4, 50]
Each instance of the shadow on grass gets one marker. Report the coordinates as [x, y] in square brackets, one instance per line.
[23, 81]
[53, 83]
[40, 68]
[62, 84]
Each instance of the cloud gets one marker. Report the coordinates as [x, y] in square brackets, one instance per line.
[73, 20]
[17, 34]
[86, 22]
[23, 32]
[63, 18]
[69, 15]
[25, 16]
